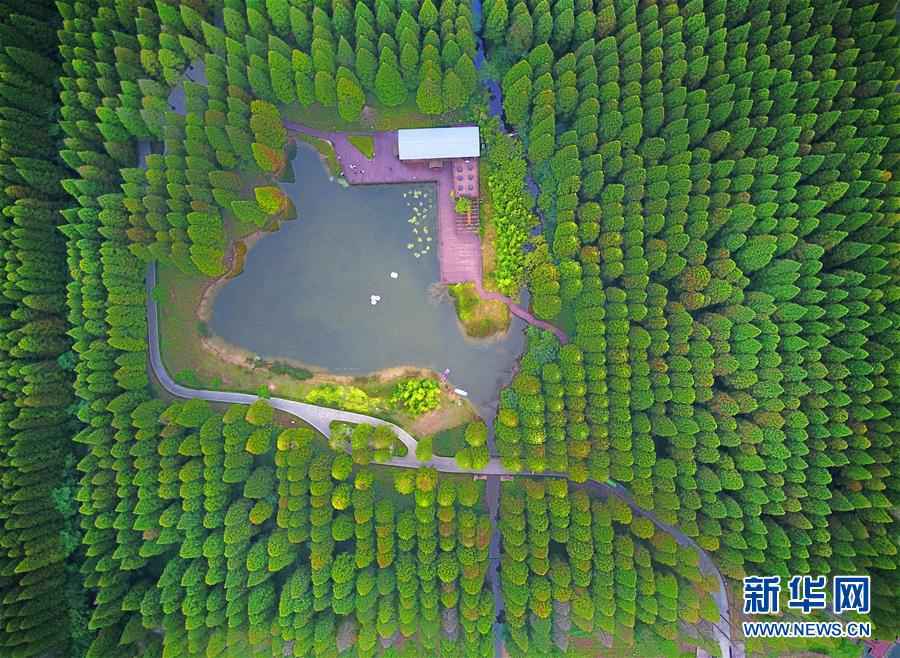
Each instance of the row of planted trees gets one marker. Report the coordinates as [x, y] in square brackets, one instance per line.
[167, 200]
[576, 564]
[41, 592]
[101, 100]
[721, 243]
[265, 542]
[332, 54]
[393, 50]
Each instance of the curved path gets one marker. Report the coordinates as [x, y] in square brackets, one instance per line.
[722, 630]
[319, 417]
[322, 417]
[519, 311]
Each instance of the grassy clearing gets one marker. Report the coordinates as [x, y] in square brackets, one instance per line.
[365, 144]
[448, 442]
[182, 334]
[480, 318]
[406, 115]
[326, 150]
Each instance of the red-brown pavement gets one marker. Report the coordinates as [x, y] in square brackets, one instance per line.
[459, 252]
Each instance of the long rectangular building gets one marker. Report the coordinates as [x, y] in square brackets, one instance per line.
[438, 143]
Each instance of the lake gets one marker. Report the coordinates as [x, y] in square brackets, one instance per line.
[306, 290]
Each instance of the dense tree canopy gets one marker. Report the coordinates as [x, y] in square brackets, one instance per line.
[713, 228]
[717, 188]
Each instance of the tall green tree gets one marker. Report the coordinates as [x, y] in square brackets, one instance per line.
[302, 65]
[453, 93]
[468, 75]
[496, 19]
[389, 86]
[282, 75]
[366, 67]
[428, 15]
[429, 96]
[326, 93]
[350, 99]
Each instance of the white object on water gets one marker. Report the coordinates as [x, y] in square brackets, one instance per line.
[461, 392]
[374, 299]
[394, 275]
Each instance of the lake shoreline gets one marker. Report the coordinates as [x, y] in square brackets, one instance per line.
[242, 357]
[304, 301]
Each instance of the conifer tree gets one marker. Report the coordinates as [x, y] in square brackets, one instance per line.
[496, 18]
[326, 93]
[429, 97]
[350, 97]
[282, 75]
[453, 93]
[389, 86]
[366, 67]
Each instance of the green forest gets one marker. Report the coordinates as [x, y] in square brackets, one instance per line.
[714, 227]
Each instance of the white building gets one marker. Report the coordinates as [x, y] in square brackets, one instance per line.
[438, 143]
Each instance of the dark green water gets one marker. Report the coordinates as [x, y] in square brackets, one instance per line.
[305, 290]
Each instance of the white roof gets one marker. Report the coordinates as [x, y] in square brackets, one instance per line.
[437, 143]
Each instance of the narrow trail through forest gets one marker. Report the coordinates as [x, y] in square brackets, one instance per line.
[322, 417]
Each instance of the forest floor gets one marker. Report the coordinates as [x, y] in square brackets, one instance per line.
[448, 442]
[406, 115]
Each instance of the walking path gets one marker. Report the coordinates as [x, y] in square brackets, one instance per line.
[722, 630]
[519, 311]
[459, 251]
[386, 168]
[322, 417]
[319, 417]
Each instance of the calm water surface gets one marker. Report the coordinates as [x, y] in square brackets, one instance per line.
[305, 292]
